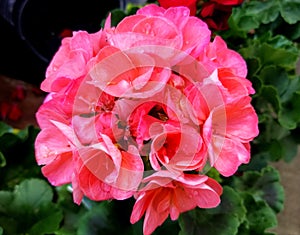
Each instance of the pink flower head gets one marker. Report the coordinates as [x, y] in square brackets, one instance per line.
[168, 194]
[141, 109]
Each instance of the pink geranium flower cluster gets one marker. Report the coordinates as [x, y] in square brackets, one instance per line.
[143, 109]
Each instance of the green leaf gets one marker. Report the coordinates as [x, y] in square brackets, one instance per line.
[6, 199]
[291, 89]
[29, 209]
[7, 223]
[168, 227]
[264, 12]
[276, 132]
[72, 212]
[229, 215]
[277, 51]
[260, 216]
[32, 194]
[213, 173]
[279, 41]
[254, 65]
[289, 116]
[285, 148]
[289, 148]
[277, 77]
[8, 140]
[4, 128]
[271, 55]
[290, 10]
[273, 144]
[268, 101]
[294, 31]
[131, 9]
[95, 221]
[254, 13]
[274, 150]
[242, 20]
[247, 22]
[18, 148]
[10, 136]
[250, 16]
[257, 84]
[103, 217]
[21, 134]
[116, 16]
[2, 160]
[1, 230]
[50, 218]
[264, 186]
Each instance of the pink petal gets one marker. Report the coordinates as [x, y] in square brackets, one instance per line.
[226, 58]
[242, 121]
[178, 15]
[237, 86]
[168, 193]
[69, 63]
[95, 189]
[77, 192]
[131, 171]
[60, 170]
[205, 197]
[50, 143]
[150, 10]
[193, 30]
[128, 23]
[50, 110]
[181, 202]
[155, 217]
[85, 130]
[156, 26]
[231, 156]
[139, 208]
[121, 82]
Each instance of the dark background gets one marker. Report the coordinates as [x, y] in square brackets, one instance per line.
[30, 32]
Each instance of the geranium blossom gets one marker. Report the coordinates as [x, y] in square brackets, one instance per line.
[168, 194]
[142, 109]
